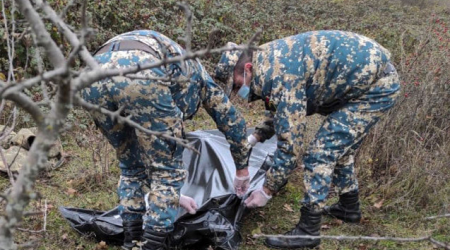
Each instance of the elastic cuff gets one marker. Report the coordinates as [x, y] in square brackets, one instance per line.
[242, 178]
[252, 140]
[264, 194]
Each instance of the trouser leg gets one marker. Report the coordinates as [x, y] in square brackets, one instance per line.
[341, 132]
[344, 176]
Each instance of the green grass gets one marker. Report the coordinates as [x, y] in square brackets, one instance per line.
[96, 190]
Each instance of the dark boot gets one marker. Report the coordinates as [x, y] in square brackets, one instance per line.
[132, 231]
[310, 222]
[154, 240]
[346, 209]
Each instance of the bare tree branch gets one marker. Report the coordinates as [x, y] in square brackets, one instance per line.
[162, 80]
[3, 136]
[254, 38]
[44, 39]
[67, 82]
[343, 237]
[44, 227]
[115, 115]
[88, 78]
[68, 34]
[16, 87]
[63, 13]
[25, 103]
[188, 31]
[9, 40]
[7, 130]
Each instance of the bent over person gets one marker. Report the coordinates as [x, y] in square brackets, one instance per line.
[151, 166]
[343, 75]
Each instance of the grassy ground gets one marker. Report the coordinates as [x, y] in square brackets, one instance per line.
[89, 177]
[85, 184]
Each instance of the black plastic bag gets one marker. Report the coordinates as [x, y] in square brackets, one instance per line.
[210, 183]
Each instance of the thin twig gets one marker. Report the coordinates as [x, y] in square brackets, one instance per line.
[437, 216]
[254, 38]
[440, 244]
[9, 40]
[68, 34]
[160, 79]
[37, 25]
[31, 244]
[32, 213]
[7, 130]
[188, 30]
[7, 166]
[211, 37]
[63, 13]
[5, 162]
[44, 228]
[343, 237]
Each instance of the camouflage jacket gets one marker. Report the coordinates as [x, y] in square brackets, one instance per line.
[313, 72]
[199, 88]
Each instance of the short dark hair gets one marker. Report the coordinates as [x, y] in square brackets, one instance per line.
[245, 57]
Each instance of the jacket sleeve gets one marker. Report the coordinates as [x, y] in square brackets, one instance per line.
[228, 120]
[289, 126]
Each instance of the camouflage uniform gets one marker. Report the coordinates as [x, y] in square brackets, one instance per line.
[344, 75]
[151, 164]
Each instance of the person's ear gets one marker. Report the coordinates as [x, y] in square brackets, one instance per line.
[248, 66]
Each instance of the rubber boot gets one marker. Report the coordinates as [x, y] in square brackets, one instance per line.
[132, 231]
[309, 224]
[346, 209]
[153, 240]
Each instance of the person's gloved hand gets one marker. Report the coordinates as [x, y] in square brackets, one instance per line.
[188, 204]
[252, 140]
[258, 198]
[241, 182]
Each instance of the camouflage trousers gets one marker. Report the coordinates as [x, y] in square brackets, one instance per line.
[330, 156]
[151, 166]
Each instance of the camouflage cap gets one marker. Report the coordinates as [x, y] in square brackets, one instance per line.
[225, 67]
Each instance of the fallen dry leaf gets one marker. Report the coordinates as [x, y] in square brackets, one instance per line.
[379, 204]
[365, 220]
[64, 236]
[71, 191]
[288, 208]
[336, 222]
[101, 245]
[362, 247]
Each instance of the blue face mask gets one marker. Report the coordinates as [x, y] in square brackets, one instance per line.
[244, 91]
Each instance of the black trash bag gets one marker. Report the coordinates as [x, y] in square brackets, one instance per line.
[103, 226]
[217, 222]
